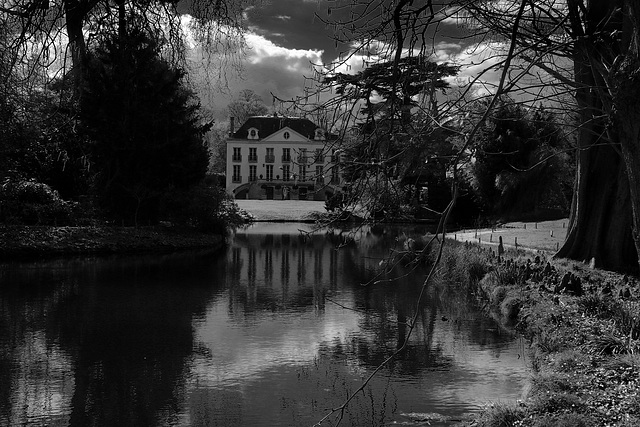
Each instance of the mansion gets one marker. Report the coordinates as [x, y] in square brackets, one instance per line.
[281, 158]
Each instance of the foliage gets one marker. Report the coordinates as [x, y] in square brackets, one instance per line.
[146, 128]
[32, 203]
[217, 143]
[499, 415]
[395, 148]
[206, 206]
[520, 164]
[335, 203]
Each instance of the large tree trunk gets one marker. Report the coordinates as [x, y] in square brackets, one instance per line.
[601, 222]
[627, 108]
[605, 204]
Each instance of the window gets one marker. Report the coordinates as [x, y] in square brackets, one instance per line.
[302, 172]
[335, 156]
[318, 157]
[237, 156]
[269, 172]
[286, 154]
[253, 154]
[286, 172]
[253, 171]
[319, 175]
[302, 158]
[236, 174]
[319, 134]
[335, 175]
[270, 157]
[286, 135]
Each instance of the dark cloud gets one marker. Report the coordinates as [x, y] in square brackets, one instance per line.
[293, 24]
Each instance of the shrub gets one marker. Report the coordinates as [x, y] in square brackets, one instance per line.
[206, 207]
[500, 415]
[336, 202]
[25, 201]
[565, 420]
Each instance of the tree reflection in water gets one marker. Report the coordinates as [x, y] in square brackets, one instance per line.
[253, 335]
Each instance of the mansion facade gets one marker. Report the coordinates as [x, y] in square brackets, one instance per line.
[281, 158]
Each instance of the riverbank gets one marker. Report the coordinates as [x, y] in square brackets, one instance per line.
[44, 241]
[584, 329]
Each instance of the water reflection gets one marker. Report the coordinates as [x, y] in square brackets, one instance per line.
[254, 335]
[99, 342]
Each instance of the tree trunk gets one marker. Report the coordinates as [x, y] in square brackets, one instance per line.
[601, 222]
[74, 15]
[627, 108]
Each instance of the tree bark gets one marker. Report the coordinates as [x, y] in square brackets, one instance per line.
[627, 108]
[602, 219]
[74, 15]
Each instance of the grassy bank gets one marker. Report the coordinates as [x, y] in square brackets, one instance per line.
[44, 241]
[583, 325]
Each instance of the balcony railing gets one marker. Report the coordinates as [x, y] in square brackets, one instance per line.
[270, 159]
[286, 159]
[236, 178]
[318, 158]
[253, 178]
[237, 157]
[302, 160]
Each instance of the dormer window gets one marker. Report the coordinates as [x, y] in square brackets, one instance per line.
[253, 133]
[319, 134]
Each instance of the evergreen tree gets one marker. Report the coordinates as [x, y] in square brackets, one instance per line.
[146, 127]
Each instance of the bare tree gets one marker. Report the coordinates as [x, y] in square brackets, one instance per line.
[589, 48]
[57, 34]
[579, 58]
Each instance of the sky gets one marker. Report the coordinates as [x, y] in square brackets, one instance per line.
[286, 40]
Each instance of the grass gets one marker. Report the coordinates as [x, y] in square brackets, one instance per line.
[282, 210]
[547, 235]
[586, 345]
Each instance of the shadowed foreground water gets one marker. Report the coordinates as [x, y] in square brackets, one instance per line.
[254, 335]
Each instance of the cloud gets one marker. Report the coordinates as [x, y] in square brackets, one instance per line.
[268, 69]
[261, 49]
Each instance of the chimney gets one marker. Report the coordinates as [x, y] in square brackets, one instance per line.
[232, 126]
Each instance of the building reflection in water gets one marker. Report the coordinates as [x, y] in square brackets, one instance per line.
[248, 336]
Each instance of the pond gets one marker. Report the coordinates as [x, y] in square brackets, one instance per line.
[274, 330]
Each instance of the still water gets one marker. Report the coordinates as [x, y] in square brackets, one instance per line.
[274, 330]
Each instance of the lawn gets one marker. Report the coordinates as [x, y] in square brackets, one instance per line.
[282, 210]
[546, 235]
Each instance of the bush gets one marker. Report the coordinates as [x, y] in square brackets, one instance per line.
[206, 207]
[25, 201]
[336, 202]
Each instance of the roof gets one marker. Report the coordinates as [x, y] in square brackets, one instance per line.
[268, 125]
